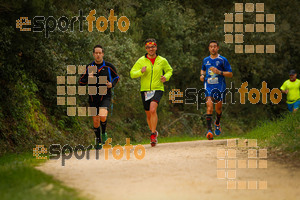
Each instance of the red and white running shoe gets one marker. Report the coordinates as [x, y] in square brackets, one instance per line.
[153, 138]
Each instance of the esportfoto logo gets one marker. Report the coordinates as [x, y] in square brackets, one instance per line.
[65, 152]
[40, 23]
[194, 96]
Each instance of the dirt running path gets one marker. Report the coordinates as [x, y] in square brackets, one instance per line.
[185, 170]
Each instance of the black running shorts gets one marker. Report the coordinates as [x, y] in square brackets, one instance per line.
[100, 102]
[157, 96]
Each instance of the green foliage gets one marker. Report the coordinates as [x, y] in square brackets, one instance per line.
[29, 64]
[281, 134]
[20, 180]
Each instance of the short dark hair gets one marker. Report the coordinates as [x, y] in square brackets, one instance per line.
[150, 40]
[213, 41]
[98, 46]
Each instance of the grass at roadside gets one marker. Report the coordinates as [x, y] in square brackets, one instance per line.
[183, 138]
[20, 180]
[282, 134]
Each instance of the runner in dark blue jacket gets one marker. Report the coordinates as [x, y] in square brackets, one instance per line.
[101, 77]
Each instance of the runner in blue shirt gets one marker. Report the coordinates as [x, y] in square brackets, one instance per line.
[214, 70]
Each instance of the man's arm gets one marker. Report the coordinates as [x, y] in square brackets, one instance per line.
[227, 70]
[136, 70]
[203, 71]
[168, 71]
[284, 89]
[202, 75]
[84, 77]
[223, 73]
[228, 74]
[114, 76]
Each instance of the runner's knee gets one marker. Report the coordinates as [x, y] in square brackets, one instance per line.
[96, 124]
[218, 110]
[96, 120]
[153, 111]
[209, 109]
[102, 118]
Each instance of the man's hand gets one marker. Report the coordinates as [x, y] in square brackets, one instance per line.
[202, 78]
[285, 91]
[91, 74]
[215, 70]
[143, 69]
[109, 84]
[163, 79]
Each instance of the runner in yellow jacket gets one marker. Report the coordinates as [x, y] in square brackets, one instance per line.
[154, 70]
[291, 87]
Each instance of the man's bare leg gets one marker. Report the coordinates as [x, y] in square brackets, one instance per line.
[103, 112]
[219, 114]
[209, 111]
[96, 121]
[153, 118]
[148, 119]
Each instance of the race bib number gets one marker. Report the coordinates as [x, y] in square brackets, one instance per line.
[214, 80]
[149, 95]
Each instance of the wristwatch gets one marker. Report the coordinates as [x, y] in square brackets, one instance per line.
[222, 73]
